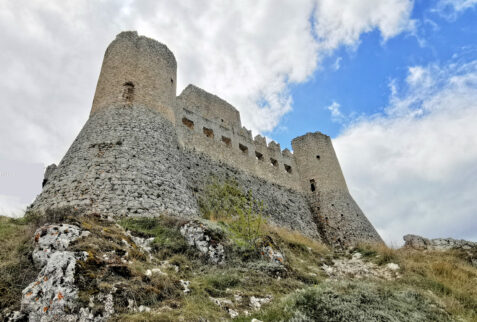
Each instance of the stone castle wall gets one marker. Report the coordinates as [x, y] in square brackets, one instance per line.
[146, 152]
[235, 147]
[125, 161]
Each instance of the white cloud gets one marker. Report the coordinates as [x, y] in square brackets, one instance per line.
[413, 169]
[456, 5]
[247, 52]
[336, 115]
[342, 22]
[337, 63]
[11, 206]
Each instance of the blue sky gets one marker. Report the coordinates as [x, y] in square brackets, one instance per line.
[393, 82]
[358, 79]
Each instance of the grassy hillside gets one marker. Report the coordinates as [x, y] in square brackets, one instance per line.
[428, 286]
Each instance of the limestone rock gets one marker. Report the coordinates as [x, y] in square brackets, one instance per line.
[272, 255]
[418, 242]
[53, 294]
[199, 236]
[443, 244]
[358, 269]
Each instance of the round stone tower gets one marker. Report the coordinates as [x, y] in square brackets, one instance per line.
[339, 218]
[137, 70]
[126, 161]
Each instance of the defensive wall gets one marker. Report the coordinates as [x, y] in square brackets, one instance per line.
[146, 152]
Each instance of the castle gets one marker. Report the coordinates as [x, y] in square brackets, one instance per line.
[145, 152]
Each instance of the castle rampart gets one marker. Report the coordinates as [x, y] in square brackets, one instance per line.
[146, 152]
[235, 147]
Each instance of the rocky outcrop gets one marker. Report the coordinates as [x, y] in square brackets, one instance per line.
[53, 295]
[356, 268]
[443, 244]
[201, 237]
[418, 242]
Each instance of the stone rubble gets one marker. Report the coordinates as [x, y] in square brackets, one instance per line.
[357, 268]
[185, 286]
[143, 243]
[257, 302]
[198, 236]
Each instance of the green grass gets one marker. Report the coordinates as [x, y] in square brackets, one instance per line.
[431, 283]
[165, 230]
[16, 267]
[353, 301]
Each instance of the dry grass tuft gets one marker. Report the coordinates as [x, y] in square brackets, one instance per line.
[296, 239]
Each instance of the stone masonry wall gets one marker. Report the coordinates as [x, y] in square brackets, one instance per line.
[209, 106]
[283, 206]
[140, 70]
[125, 161]
[237, 149]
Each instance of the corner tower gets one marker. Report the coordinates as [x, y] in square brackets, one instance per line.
[137, 70]
[126, 160]
[338, 217]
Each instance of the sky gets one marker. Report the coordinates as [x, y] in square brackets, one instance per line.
[393, 82]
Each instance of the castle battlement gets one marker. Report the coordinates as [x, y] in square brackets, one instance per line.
[145, 151]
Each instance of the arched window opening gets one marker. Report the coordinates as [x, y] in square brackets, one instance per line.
[128, 92]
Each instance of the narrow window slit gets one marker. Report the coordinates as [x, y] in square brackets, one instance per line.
[188, 123]
[274, 162]
[259, 156]
[288, 168]
[208, 132]
[312, 185]
[243, 148]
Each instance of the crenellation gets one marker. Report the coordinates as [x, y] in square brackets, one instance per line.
[260, 140]
[145, 151]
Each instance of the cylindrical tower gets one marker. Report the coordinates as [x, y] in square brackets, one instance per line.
[339, 218]
[126, 161]
[137, 70]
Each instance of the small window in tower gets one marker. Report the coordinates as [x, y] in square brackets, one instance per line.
[288, 168]
[274, 162]
[128, 92]
[227, 141]
[243, 148]
[318, 157]
[312, 185]
[172, 81]
[259, 156]
[208, 132]
[188, 123]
